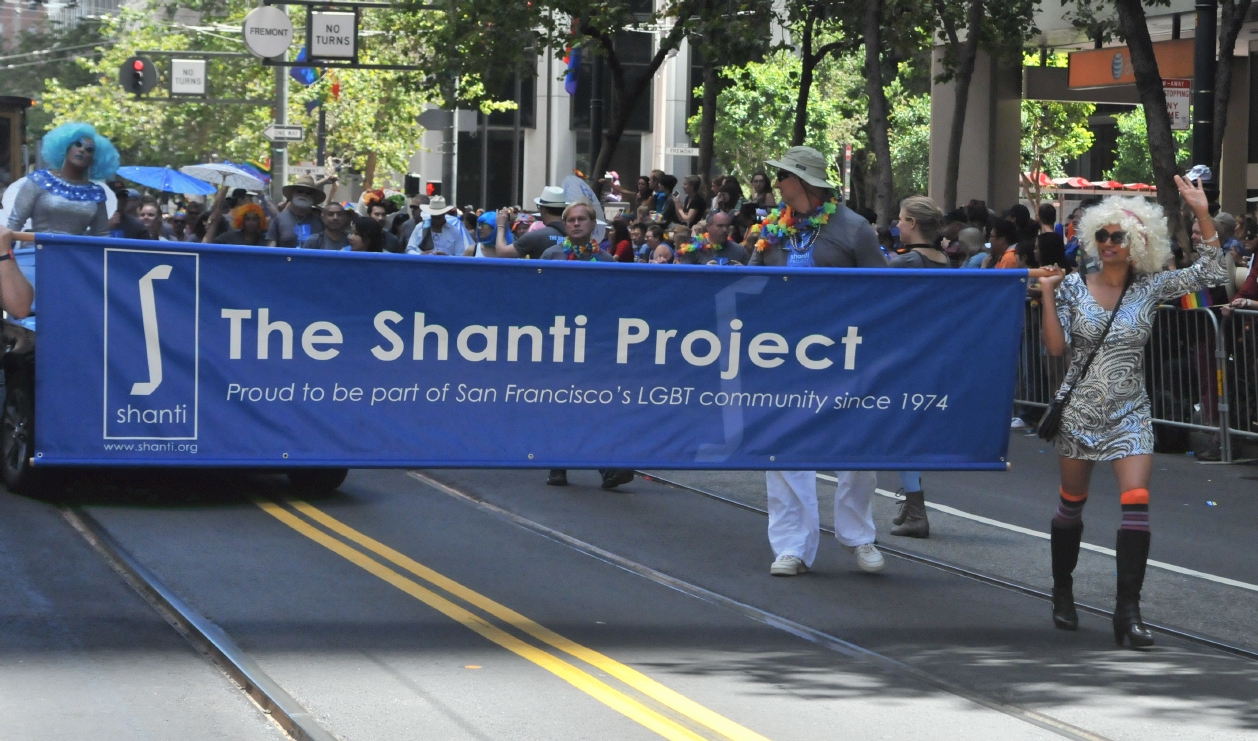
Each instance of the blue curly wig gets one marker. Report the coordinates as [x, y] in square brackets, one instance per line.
[57, 142]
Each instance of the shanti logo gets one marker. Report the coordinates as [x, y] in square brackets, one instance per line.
[152, 305]
[152, 336]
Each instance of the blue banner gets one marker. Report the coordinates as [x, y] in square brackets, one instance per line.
[198, 355]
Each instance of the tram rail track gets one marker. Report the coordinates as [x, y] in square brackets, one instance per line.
[988, 579]
[206, 637]
[834, 643]
[212, 642]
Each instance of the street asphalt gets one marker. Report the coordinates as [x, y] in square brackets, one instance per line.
[82, 656]
[395, 608]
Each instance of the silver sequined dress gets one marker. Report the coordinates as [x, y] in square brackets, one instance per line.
[56, 206]
[1108, 416]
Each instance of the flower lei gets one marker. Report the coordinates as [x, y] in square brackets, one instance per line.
[699, 244]
[782, 223]
[581, 252]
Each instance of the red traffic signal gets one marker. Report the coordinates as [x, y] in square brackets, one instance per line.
[137, 76]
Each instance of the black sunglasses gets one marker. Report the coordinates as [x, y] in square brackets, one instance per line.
[784, 174]
[1115, 238]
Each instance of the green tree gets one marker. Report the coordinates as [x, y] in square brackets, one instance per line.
[1127, 20]
[50, 52]
[756, 112]
[818, 26]
[596, 25]
[1053, 133]
[910, 145]
[999, 26]
[155, 131]
[727, 34]
[1131, 151]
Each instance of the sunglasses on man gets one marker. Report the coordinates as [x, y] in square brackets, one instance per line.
[784, 174]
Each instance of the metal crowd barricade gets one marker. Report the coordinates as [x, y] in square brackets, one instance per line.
[1241, 344]
[1187, 364]
[1039, 374]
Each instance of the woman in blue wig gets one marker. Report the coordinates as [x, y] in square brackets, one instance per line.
[64, 200]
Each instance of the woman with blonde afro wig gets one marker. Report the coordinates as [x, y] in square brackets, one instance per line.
[1106, 317]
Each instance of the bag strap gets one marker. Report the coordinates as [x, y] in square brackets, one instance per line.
[1087, 365]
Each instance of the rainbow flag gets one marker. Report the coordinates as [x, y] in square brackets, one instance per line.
[1198, 300]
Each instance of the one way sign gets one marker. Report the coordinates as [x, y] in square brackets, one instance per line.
[284, 133]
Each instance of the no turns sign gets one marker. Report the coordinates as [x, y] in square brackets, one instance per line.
[332, 35]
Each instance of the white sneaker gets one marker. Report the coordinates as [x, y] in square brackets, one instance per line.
[1019, 424]
[787, 565]
[868, 558]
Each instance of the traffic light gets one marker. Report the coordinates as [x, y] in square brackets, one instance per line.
[138, 75]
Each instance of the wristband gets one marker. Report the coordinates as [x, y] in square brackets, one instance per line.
[1214, 239]
[6, 256]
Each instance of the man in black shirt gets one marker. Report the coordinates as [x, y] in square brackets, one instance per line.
[531, 246]
[380, 214]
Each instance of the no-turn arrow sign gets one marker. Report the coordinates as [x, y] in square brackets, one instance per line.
[284, 133]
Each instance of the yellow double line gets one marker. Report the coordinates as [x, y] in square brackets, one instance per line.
[604, 693]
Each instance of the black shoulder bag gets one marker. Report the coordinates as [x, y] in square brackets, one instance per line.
[1050, 423]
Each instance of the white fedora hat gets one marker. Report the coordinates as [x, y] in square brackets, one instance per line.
[552, 197]
[805, 163]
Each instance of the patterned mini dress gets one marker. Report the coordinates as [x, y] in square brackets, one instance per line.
[1108, 416]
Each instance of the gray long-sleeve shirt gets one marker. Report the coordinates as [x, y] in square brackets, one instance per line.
[55, 206]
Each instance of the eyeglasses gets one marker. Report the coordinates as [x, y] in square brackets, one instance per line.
[1115, 238]
[784, 174]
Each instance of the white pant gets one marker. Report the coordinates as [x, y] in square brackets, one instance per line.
[794, 528]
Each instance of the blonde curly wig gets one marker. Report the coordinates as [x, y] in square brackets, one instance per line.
[1147, 235]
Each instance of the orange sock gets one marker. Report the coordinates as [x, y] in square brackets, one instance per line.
[1135, 503]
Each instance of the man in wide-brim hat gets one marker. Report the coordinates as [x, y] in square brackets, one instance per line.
[298, 221]
[819, 232]
[305, 185]
[439, 235]
[552, 231]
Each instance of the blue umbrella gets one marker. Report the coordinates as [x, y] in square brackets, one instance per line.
[165, 179]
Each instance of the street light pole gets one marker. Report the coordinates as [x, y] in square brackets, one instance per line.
[1204, 41]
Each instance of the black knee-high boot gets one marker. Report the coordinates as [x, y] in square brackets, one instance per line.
[1065, 543]
[1132, 549]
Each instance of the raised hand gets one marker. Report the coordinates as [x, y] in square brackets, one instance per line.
[1193, 194]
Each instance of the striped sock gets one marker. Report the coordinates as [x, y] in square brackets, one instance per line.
[1070, 509]
[1135, 510]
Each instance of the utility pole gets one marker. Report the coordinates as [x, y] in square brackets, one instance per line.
[452, 195]
[515, 142]
[279, 150]
[596, 117]
[550, 81]
[1204, 41]
[321, 142]
[484, 160]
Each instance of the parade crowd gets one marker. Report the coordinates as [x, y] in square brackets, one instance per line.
[1101, 276]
